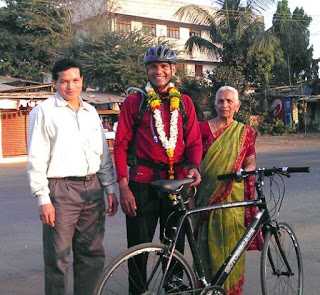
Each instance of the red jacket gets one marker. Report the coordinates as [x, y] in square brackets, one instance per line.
[188, 147]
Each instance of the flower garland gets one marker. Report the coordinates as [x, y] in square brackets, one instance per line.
[169, 143]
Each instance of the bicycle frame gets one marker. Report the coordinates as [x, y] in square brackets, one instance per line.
[262, 220]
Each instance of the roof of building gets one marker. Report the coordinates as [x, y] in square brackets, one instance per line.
[160, 9]
[16, 81]
[101, 98]
[6, 87]
[10, 84]
[95, 98]
[154, 10]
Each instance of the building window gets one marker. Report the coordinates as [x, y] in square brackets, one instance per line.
[195, 33]
[173, 32]
[123, 26]
[180, 69]
[149, 29]
[199, 70]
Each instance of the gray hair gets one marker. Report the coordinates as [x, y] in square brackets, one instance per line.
[230, 89]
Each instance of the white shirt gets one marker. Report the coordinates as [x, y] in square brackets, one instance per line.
[64, 142]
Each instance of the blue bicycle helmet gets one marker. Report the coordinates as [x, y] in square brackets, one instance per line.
[160, 53]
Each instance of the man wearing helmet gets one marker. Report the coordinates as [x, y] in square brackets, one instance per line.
[165, 147]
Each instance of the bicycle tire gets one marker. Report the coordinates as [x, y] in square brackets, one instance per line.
[115, 279]
[279, 281]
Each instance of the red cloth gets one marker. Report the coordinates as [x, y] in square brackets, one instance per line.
[188, 147]
[249, 186]
[208, 138]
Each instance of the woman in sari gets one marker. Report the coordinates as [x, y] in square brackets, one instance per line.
[228, 147]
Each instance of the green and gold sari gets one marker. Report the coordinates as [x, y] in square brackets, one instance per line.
[219, 232]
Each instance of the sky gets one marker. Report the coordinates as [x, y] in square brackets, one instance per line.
[310, 7]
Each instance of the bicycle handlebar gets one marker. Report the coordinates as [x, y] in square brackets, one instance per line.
[296, 169]
[265, 172]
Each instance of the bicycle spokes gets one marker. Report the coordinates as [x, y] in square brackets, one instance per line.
[281, 264]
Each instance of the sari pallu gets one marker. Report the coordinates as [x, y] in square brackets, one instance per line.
[219, 232]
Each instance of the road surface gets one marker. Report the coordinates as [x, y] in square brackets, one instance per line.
[21, 266]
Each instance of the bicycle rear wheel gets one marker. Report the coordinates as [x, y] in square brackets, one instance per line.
[276, 277]
[115, 279]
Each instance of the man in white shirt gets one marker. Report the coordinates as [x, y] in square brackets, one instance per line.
[70, 172]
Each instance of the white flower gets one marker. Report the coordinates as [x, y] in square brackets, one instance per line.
[171, 141]
[148, 87]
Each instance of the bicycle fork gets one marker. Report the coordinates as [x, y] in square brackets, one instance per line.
[275, 232]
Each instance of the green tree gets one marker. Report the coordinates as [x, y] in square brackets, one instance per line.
[302, 55]
[30, 33]
[293, 33]
[262, 57]
[200, 91]
[112, 62]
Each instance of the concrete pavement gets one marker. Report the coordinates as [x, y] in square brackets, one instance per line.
[20, 229]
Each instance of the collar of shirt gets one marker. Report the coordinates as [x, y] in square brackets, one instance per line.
[61, 102]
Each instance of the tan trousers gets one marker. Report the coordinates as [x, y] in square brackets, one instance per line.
[79, 226]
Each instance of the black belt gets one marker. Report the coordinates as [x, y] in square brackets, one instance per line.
[80, 178]
[156, 166]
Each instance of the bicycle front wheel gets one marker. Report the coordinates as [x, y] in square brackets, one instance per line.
[281, 263]
[117, 280]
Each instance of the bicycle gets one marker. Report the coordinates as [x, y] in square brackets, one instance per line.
[281, 266]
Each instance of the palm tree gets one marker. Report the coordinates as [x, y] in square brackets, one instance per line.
[237, 37]
[233, 28]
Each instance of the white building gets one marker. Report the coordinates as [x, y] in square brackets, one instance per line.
[157, 18]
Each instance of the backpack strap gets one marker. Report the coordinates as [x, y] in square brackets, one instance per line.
[143, 106]
[183, 113]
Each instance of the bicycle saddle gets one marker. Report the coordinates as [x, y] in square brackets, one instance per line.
[171, 185]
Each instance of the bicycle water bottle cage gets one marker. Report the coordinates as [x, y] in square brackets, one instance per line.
[171, 186]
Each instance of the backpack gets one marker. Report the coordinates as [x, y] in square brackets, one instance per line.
[143, 107]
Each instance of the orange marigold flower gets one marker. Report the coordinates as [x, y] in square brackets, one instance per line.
[154, 104]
